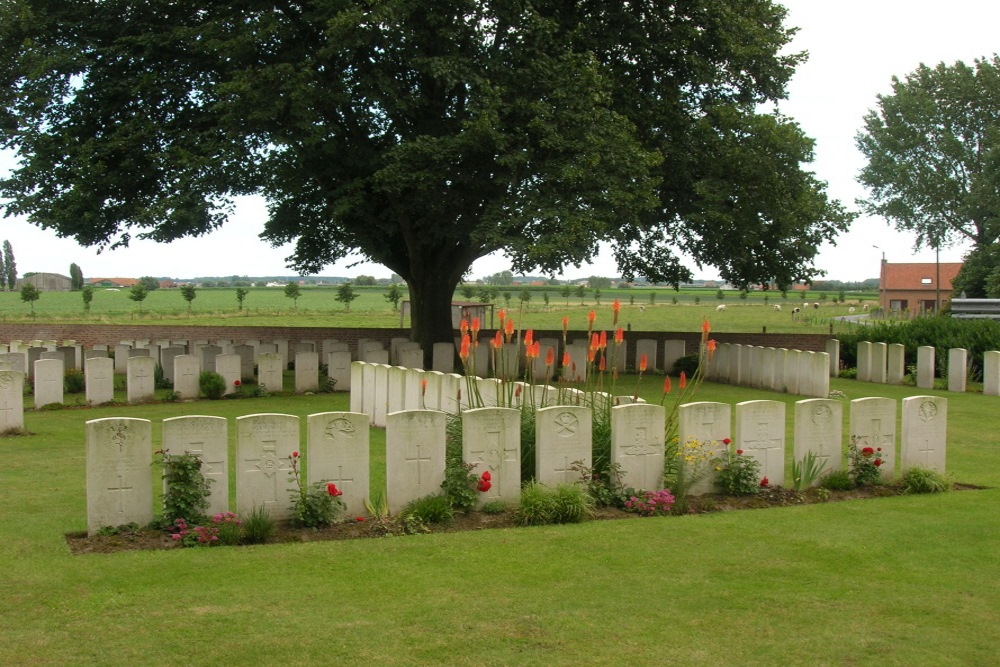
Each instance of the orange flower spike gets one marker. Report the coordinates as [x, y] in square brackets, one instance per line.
[464, 327]
[604, 340]
[550, 357]
[666, 385]
[502, 314]
[684, 380]
[595, 342]
[509, 329]
[517, 392]
[497, 341]
[529, 338]
[591, 354]
[643, 362]
[565, 324]
[603, 366]
[463, 350]
[705, 326]
[536, 349]
[615, 308]
[565, 359]
[711, 348]
[475, 325]
[591, 316]
[619, 336]
[423, 387]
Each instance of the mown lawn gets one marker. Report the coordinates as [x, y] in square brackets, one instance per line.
[899, 580]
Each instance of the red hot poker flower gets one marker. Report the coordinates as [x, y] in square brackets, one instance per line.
[666, 385]
[643, 361]
[423, 387]
[619, 336]
[497, 341]
[566, 360]
[463, 328]
[550, 356]
[529, 338]
[705, 326]
[591, 316]
[509, 329]
[684, 380]
[475, 325]
[565, 323]
[463, 350]
[604, 340]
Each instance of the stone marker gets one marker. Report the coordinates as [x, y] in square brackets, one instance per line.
[186, 376]
[99, 380]
[208, 353]
[991, 373]
[958, 359]
[357, 386]
[648, 346]
[11, 400]
[791, 374]
[414, 456]
[865, 361]
[338, 368]
[306, 372]
[381, 395]
[230, 367]
[48, 382]
[637, 444]
[760, 433]
[924, 433]
[270, 371]
[167, 356]
[395, 389]
[925, 367]
[563, 436]
[264, 445]
[119, 480]
[873, 424]
[121, 357]
[895, 363]
[451, 390]
[414, 390]
[246, 355]
[702, 427]
[819, 429]
[14, 361]
[208, 439]
[338, 451]
[672, 351]
[491, 439]
[140, 382]
[443, 357]
[833, 349]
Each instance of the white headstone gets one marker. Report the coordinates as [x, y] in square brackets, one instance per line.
[395, 389]
[702, 427]
[925, 367]
[873, 424]
[208, 439]
[649, 347]
[140, 381]
[792, 361]
[414, 456]
[760, 433]
[443, 359]
[924, 433]
[167, 356]
[833, 349]
[99, 380]
[431, 392]
[121, 357]
[230, 367]
[451, 390]
[563, 436]
[264, 445]
[246, 354]
[895, 363]
[306, 372]
[357, 386]
[119, 480]
[208, 354]
[381, 396]
[819, 429]
[991, 373]
[270, 371]
[338, 368]
[820, 375]
[11, 400]
[672, 351]
[186, 376]
[338, 451]
[48, 382]
[491, 439]
[865, 361]
[637, 444]
[957, 368]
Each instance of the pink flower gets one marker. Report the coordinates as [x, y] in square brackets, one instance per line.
[176, 536]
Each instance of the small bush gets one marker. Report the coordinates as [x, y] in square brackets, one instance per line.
[73, 381]
[212, 385]
[567, 503]
[922, 480]
[688, 364]
[837, 480]
[493, 507]
[430, 509]
[258, 526]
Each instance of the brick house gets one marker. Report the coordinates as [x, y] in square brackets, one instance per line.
[914, 287]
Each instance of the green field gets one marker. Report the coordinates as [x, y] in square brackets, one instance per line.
[317, 307]
[895, 581]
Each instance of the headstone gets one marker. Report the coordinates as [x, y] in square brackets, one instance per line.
[230, 367]
[780, 383]
[489, 393]
[720, 364]
[34, 354]
[957, 368]
[563, 437]
[48, 382]
[431, 392]
[357, 386]
[167, 356]
[282, 351]
[119, 483]
[338, 368]
[637, 444]
[702, 427]
[879, 368]
[140, 383]
[760, 433]
[14, 361]
[865, 361]
[69, 354]
[246, 355]
[411, 357]
[208, 439]
[924, 433]
[756, 366]
[648, 346]
[270, 371]
[208, 355]
[805, 370]
[451, 390]
[414, 456]
[394, 344]
[833, 349]
[672, 351]
[267, 348]
[305, 346]
[820, 375]
[368, 390]
[991, 373]
[767, 368]
[895, 363]
[792, 358]
[873, 424]
[577, 371]
[819, 429]
[381, 395]
[306, 372]
[338, 450]
[186, 376]
[264, 446]
[414, 390]
[443, 357]
[99, 380]
[395, 400]
[491, 439]
[378, 357]
[925, 367]
[11, 400]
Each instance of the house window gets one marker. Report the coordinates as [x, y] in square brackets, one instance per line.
[926, 281]
[897, 304]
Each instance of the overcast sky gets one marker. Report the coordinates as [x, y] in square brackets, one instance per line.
[855, 47]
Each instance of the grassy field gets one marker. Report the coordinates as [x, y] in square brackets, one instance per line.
[895, 581]
[318, 307]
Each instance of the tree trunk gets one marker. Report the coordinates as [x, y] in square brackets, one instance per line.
[430, 310]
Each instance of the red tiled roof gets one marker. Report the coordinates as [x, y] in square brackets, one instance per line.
[911, 276]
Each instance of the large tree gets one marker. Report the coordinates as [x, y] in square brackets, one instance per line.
[9, 266]
[933, 149]
[421, 136]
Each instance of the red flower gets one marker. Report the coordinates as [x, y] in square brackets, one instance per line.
[603, 339]
[565, 359]
[565, 323]
[666, 385]
[475, 325]
[878, 449]
[764, 482]
[739, 452]
[295, 455]
[619, 336]
[877, 462]
[463, 328]
[711, 348]
[423, 387]
[463, 350]
[616, 306]
[603, 366]
[591, 316]
[332, 489]
[236, 383]
[867, 451]
[684, 380]
[550, 356]
[359, 518]
[726, 441]
[529, 338]
[642, 363]
[486, 476]
[483, 486]
[705, 326]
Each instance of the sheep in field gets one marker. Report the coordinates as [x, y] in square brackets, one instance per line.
[815, 305]
[777, 307]
[720, 307]
[852, 310]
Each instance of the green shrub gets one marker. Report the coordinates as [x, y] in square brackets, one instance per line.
[186, 491]
[922, 480]
[493, 507]
[212, 385]
[430, 509]
[73, 381]
[837, 480]
[688, 364]
[566, 503]
[258, 526]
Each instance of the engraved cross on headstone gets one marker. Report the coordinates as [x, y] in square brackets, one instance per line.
[341, 479]
[121, 489]
[494, 454]
[768, 446]
[418, 460]
[876, 438]
[566, 471]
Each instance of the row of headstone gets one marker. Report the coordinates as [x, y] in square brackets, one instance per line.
[759, 431]
[885, 363]
[120, 450]
[800, 372]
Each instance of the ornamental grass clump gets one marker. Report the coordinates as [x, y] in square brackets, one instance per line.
[922, 480]
[540, 504]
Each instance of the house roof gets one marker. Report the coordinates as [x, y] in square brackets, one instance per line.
[915, 276]
[120, 282]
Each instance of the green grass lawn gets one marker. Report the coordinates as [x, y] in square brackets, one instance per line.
[899, 580]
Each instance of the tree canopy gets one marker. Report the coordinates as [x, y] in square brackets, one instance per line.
[421, 140]
[933, 149]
